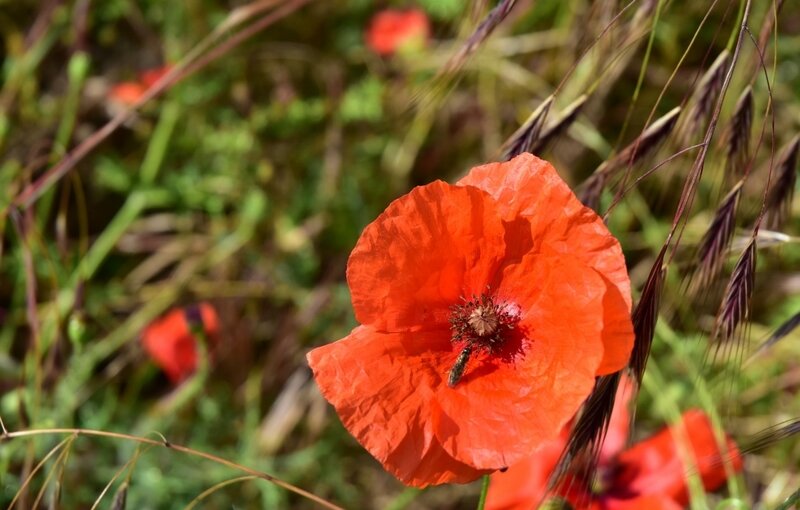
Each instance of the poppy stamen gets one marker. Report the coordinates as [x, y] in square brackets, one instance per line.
[480, 323]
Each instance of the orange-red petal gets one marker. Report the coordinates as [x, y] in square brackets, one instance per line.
[382, 386]
[531, 188]
[425, 252]
[524, 485]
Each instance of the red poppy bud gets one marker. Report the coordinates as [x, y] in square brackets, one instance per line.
[172, 346]
[390, 31]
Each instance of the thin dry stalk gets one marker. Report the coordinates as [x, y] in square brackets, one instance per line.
[779, 198]
[735, 307]
[558, 127]
[74, 433]
[527, 135]
[717, 239]
[19, 496]
[645, 316]
[737, 139]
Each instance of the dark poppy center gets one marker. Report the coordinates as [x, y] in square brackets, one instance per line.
[480, 323]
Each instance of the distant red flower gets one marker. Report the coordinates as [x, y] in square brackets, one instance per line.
[149, 77]
[170, 343]
[649, 475]
[487, 309]
[391, 30]
[129, 92]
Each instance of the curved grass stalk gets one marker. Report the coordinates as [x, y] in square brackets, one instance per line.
[179, 448]
[36, 469]
[129, 466]
[211, 490]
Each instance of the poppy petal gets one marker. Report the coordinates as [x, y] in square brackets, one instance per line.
[655, 464]
[171, 345]
[524, 485]
[126, 93]
[391, 30]
[382, 388]
[530, 187]
[649, 502]
[555, 351]
[425, 252]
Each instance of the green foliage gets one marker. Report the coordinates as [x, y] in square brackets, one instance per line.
[247, 184]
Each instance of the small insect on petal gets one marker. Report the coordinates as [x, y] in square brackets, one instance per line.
[458, 369]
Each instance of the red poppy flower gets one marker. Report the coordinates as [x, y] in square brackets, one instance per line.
[487, 309]
[651, 474]
[170, 343]
[149, 77]
[129, 92]
[392, 30]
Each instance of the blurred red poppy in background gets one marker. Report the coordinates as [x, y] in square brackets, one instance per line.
[129, 92]
[171, 343]
[487, 309]
[649, 475]
[393, 30]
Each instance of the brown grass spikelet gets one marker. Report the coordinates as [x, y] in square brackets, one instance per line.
[120, 498]
[645, 315]
[526, 136]
[735, 307]
[779, 197]
[634, 152]
[646, 142]
[591, 190]
[586, 436]
[717, 239]
[737, 137]
[706, 94]
[772, 435]
[564, 121]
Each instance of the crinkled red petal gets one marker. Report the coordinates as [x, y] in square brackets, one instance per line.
[383, 388]
[425, 252]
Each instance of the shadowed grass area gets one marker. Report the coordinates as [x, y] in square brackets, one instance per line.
[274, 134]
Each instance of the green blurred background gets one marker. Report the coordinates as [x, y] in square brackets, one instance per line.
[247, 183]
